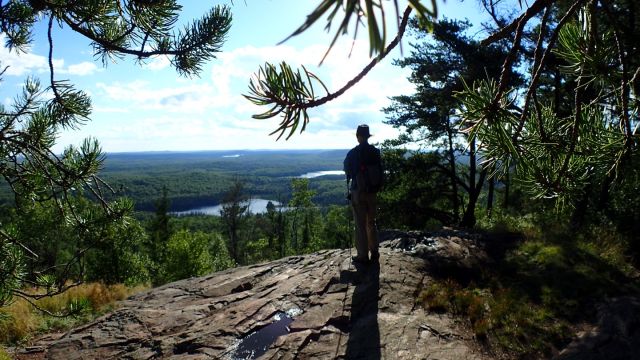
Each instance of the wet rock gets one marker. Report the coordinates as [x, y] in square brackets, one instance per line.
[335, 310]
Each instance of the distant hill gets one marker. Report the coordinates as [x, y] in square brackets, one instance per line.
[256, 162]
[201, 178]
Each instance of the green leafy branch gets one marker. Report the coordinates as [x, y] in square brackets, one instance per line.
[363, 10]
[144, 29]
[558, 154]
[291, 93]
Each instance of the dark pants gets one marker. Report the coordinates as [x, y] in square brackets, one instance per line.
[364, 213]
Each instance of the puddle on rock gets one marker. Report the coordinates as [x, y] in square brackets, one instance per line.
[257, 343]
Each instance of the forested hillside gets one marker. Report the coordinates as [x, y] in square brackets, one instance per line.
[195, 179]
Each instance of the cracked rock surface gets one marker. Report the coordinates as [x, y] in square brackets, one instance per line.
[334, 310]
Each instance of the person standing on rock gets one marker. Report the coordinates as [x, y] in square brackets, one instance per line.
[363, 167]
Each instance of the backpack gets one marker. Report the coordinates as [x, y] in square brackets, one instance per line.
[370, 177]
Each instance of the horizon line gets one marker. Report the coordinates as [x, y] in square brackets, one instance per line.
[218, 150]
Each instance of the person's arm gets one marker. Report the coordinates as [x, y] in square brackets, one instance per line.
[346, 166]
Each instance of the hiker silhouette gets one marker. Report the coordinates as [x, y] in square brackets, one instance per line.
[361, 165]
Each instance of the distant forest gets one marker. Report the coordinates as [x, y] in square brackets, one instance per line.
[197, 179]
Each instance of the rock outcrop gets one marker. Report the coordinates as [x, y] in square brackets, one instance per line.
[317, 306]
[615, 336]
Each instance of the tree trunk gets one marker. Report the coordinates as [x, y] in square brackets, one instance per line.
[233, 242]
[505, 202]
[469, 217]
[282, 239]
[306, 232]
[472, 167]
[556, 91]
[603, 200]
[294, 232]
[580, 211]
[454, 180]
[492, 183]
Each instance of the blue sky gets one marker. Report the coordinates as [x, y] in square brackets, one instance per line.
[149, 107]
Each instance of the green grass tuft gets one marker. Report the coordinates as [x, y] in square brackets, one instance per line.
[20, 320]
[4, 355]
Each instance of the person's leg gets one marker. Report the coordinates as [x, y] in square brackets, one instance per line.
[359, 216]
[371, 226]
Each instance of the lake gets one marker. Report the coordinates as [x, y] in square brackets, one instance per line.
[315, 174]
[256, 206]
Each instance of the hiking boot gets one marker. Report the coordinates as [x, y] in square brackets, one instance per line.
[359, 260]
[375, 256]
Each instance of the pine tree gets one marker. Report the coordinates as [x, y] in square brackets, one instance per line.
[441, 63]
[302, 214]
[29, 126]
[234, 212]
[573, 134]
[160, 232]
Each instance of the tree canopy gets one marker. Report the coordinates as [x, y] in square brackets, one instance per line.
[574, 124]
[28, 127]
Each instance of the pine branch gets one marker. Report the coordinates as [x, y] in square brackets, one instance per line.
[508, 61]
[578, 103]
[506, 31]
[541, 64]
[532, 92]
[625, 124]
[197, 44]
[371, 65]
[287, 92]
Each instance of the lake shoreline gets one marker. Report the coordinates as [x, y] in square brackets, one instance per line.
[256, 206]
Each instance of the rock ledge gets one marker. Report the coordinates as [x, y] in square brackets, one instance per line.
[315, 306]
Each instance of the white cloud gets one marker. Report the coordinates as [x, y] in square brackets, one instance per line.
[209, 132]
[106, 109]
[26, 63]
[185, 98]
[82, 69]
[157, 63]
[206, 134]
[20, 64]
[210, 113]
[230, 74]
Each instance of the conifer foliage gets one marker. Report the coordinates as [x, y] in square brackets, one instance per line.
[289, 93]
[28, 127]
[572, 131]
